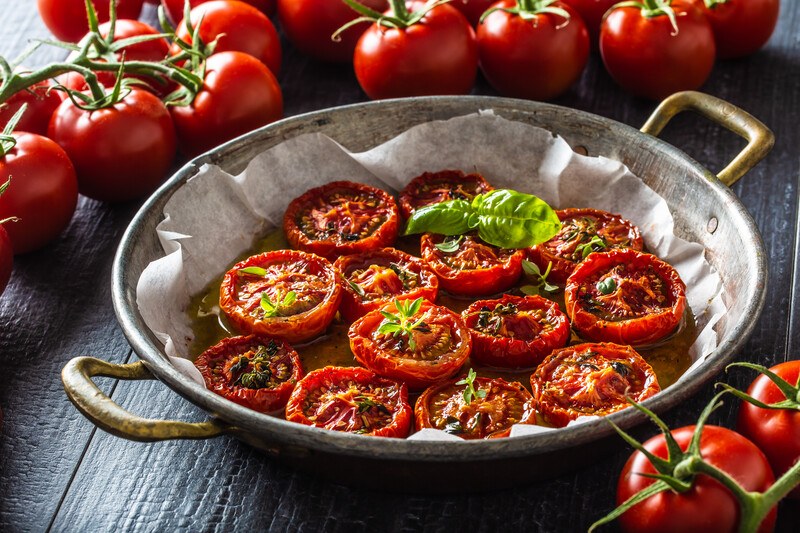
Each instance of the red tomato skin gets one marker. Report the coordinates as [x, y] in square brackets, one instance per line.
[437, 56]
[537, 59]
[6, 262]
[239, 94]
[43, 191]
[42, 103]
[66, 19]
[309, 24]
[121, 152]
[707, 507]
[591, 11]
[741, 27]
[239, 27]
[775, 431]
[646, 59]
[174, 8]
[472, 9]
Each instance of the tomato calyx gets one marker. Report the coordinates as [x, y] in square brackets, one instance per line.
[530, 9]
[7, 139]
[654, 8]
[678, 471]
[711, 4]
[400, 18]
[790, 392]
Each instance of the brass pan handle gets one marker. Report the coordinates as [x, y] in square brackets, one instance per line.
[759, 138]
[106, 414]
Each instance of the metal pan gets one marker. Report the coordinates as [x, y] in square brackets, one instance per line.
[705, 211]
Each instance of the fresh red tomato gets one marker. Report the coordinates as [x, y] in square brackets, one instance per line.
[42, 194]
[776, 432]
[432, 347]
[494, 406]
[236, 26]
[257, 372]
[590, 380]
[437, 55]
[309, 25]
[740, 27]
[472, 9]
[174, 8]
[591, 11]
[649, 58]
[375, 278]
[67, 18]
[468, 266]
[341, 218]
[42, 102]
[583, 231]
[707, 506]
[120, 153]
[537, 58]
[515, 331]
[239, 94]
[6, 261]
[353, 400]
[287, 294]
[434, 187]
[625, 296]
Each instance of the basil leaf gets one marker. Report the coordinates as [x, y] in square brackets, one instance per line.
[511, 219]
[445, 218]
[255, 271]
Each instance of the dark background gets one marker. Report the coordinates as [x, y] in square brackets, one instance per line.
[58, 472]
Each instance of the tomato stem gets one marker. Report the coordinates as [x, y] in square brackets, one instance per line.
[529, 9]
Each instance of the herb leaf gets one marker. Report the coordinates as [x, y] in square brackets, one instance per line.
[255, 271]
[272, 309]
[403, 322]
[446, 218]
[607, 286]
[449, 244]
[592, 246]
[469, 392]
[539, 280]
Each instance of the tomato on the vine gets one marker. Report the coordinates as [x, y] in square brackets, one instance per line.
[174, 8]
[309, 25]
[353, 400]
[434, 187]
[67, 18]
[707, 506]
[341, 217]
[536, 54]
[42, 192]
[435, 56]
[287, 294]
[740, 27]
[649, 56]
[41, 102]
[257, 372]
[120, 152]
[624, 296]
[236, 26]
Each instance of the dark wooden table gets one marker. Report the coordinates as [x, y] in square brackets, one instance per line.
[58, 472]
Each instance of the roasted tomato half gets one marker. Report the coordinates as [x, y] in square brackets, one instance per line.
[590, 380]
[341, 218]
[285, 293]
[434, 187]
[583, 231]
[255, 371]
[515, 331]
[466, 265]
[494, 406]
[354, 400]
[625, 296]
[376, 278]
[416, 342]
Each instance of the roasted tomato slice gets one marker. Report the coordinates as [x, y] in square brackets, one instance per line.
[341, 218]
[515, 331]
[583, 231]
[625, 296]
[285, 293]
[590, 380]
[374, 279]
[416, 342]
[255, 371]
[473, 267]
[444, 406]
[434, 187]
[354, 400]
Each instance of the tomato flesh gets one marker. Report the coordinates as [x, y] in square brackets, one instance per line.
[435, 187]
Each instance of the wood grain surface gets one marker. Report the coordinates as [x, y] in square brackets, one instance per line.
[57, 472]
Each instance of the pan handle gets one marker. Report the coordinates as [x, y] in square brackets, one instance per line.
[759, 138]
[106, 414]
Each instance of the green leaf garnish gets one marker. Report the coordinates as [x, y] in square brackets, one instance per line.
[607, 286]
[255, 271]
[449, 244]
[272, 309]
[403, 323]
[469, 392]
[358, 289]
[538, 279]
[593, 245]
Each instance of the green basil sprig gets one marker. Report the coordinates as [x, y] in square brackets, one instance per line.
[504, 218]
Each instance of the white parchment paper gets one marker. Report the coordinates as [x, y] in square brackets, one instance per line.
[215, 217]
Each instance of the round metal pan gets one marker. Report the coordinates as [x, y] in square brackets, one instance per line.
[705, 211]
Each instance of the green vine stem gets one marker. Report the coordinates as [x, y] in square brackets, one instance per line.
[529, 9]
